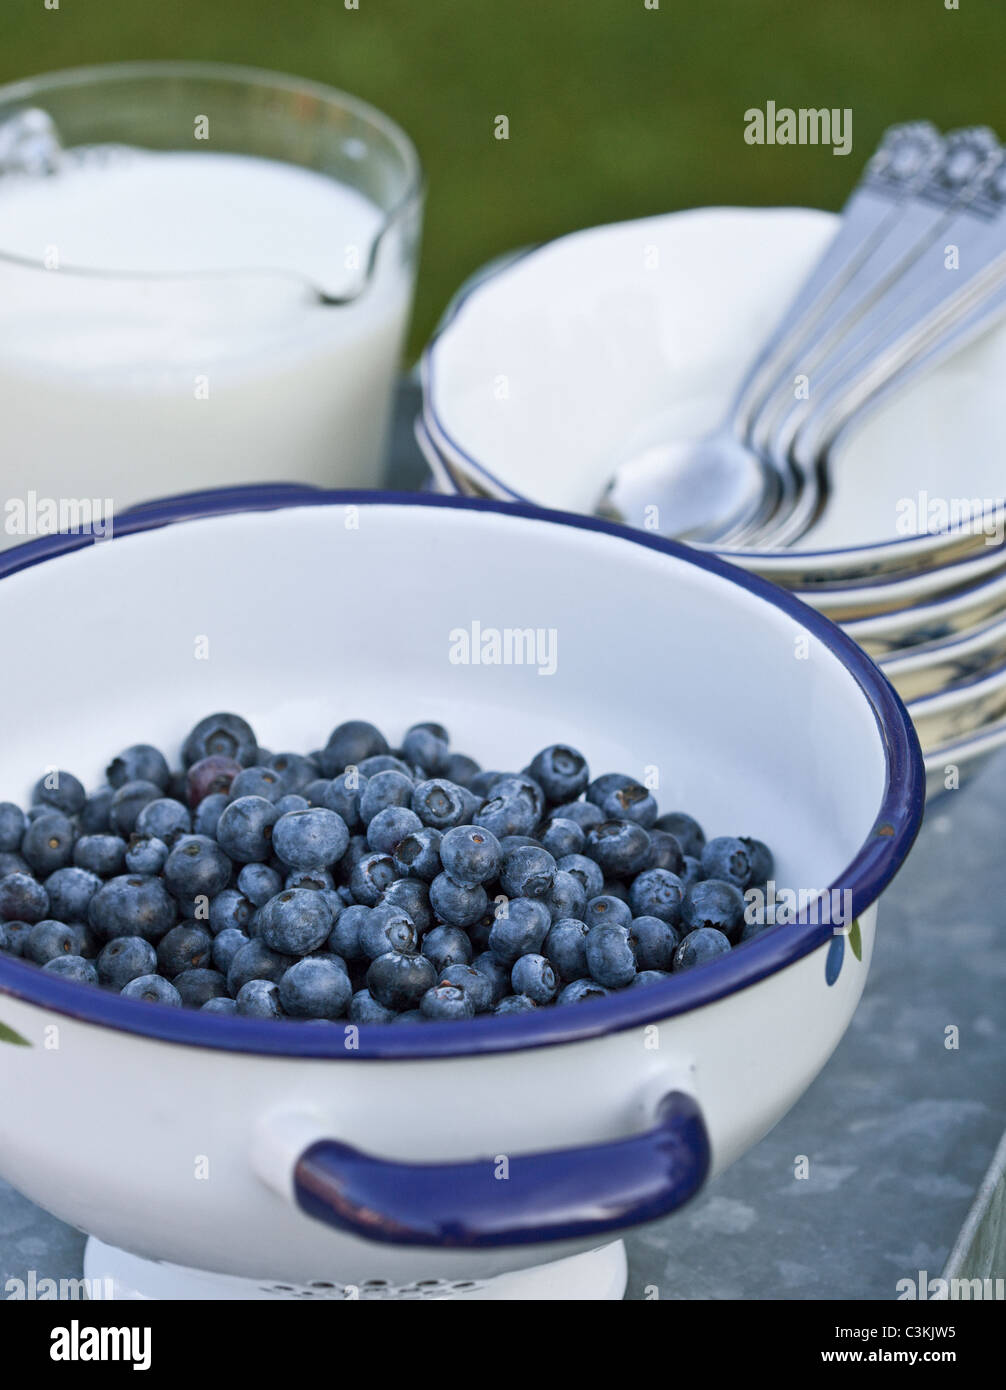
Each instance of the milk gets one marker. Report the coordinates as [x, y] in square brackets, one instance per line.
[163, 328]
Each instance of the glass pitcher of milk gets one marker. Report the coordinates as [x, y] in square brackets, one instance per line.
[205, 279]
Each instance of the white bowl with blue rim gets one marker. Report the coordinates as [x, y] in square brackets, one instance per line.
[459, 1158]
[546, 366]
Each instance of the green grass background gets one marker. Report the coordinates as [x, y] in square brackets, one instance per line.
[615, 111]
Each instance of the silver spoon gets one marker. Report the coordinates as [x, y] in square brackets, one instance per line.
[714, 486]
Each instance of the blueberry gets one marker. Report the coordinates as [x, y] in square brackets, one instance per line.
[605, 784]
[344, 938]
[566, 947]
[751, 929]
[132, 905]
[208, 813]
[441, 804]
[102, 854]
[446, 946]
[226, 734]
[364, 1008]
[94, 818]
[567, 897]
[257, 781]
[510, 810]
[509, 843]
[291, 802]
[47, 844]
[713, 904]
[699, 946]
[341, 795]
[413, 897]
[648, 977]
[48, 939]
[607, 910]
[631, 802]
[70, 893]
[496, 971]
[727, 858]
[410, 1016]
[654, 941]
[383, 790]
[349, 745]
[521, 784]
[482, 782]
[185, 947]
[220, 1005]
[480, 932]
[528, 873]
[665, 853]
[479, 988]
[9, 946]
[589, 874]
[514, 1004]
[761, 860]
[226, 946]
[310, 839]
[579, 990]
[295, 770]
[385, 762]
[61, 791]
[212, 776]
[315, 988]
[446, 1002]
[371, 876]
[146, 854]
[470, 854]
[388, 928]
[198, 986]
[127, 803]
[141, 762]
[426, 745]
[521, 929]
[318, 880]
[619, 847]
[13, 824]
[561, 837]
[685, 829]
[456, 904]
[399, 981]
[610, 957]
[561, 772]
[296, 921]
[259, 999]
[155, 989]
[460, 769]
[534, 976]
[256, 962]
[196, 867]
[581, 813]
[258, 883]
[246, 827]
[230, 909]
[12, 864]
[124, 959]
[691, 873]
[72, 968]
[165, 819]
[657, 893]
[22, 899]
[390, 827]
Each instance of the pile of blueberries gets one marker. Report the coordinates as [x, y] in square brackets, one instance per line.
[361, 882]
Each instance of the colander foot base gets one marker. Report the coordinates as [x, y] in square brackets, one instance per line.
[115, 1274]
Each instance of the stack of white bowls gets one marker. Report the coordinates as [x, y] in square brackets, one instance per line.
[548, 362]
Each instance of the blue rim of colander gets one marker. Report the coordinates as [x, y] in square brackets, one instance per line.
[872, 868]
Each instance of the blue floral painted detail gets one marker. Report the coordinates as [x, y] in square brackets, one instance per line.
[836, 954]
